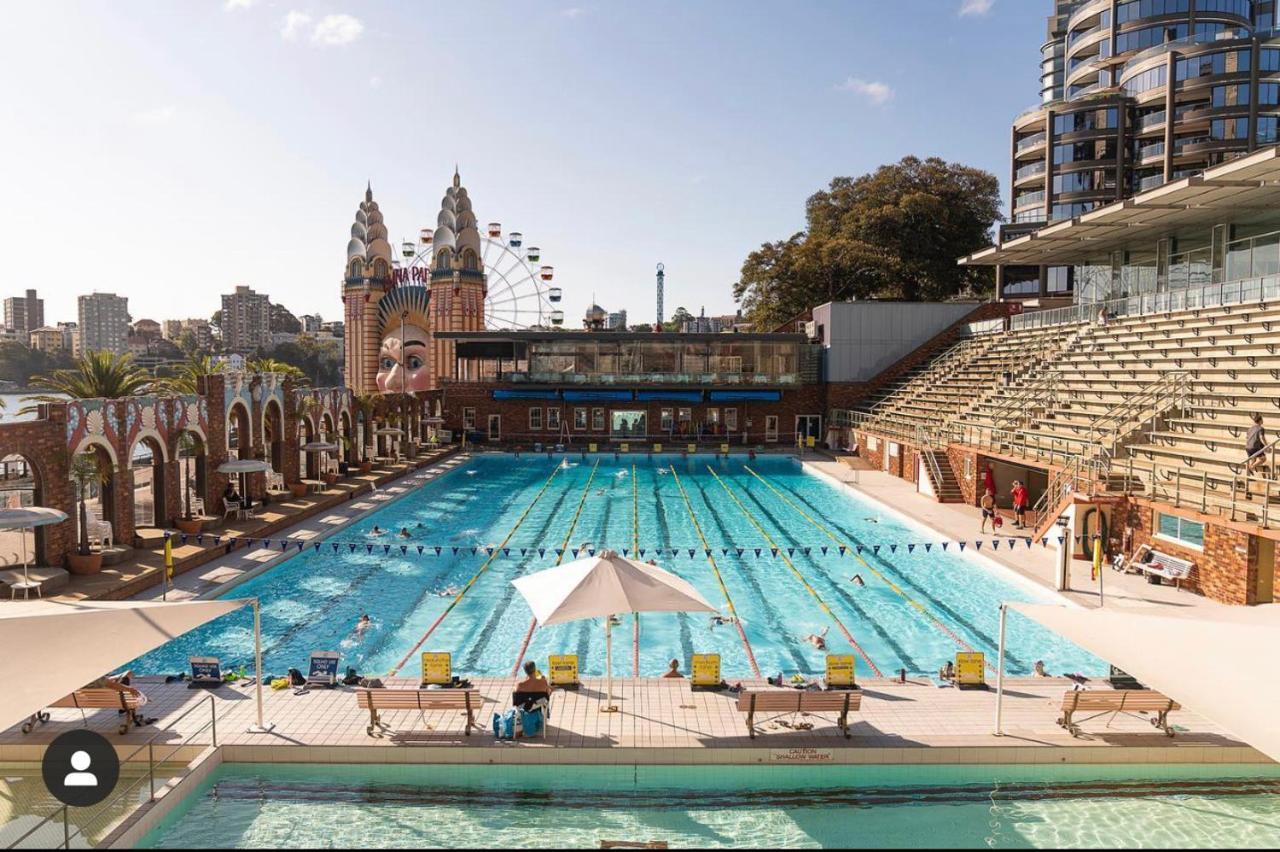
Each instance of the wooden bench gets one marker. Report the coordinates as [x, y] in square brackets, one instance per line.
[1101, 702]
[94, 699]
[377, 700]
[782, 701]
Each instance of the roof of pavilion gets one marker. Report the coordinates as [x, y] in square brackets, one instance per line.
[1248, 187]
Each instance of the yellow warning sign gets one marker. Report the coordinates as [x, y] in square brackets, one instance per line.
[593, 447]
[691, 448]
[563, 669]
[970, 668]
[706, 670]
[839, 671]
[624, 448]
[724, 449]
[436, 667]
[657, 448]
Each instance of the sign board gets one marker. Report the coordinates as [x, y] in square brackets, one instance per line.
[691, 448]
[624, 448]
[811, 442]
[436, 667]
[706, 670]
[593, 448]
[206, 670]
[801, 755]
[562, 669]
[324, 667]
[970, 669]
[839, 671]
[724, 449]
[657, 448]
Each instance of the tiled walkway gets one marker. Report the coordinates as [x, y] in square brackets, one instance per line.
[659, 721]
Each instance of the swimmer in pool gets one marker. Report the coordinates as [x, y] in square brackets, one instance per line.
[377, 530]
[818, 640]
[363, 624]
[404, 533]
[717, 620]
[447, 592]
[857, 580]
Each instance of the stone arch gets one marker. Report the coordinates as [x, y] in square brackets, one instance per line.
[308, 463]
[273, 438]
[239, 427]
[193, 470]
[347, 436]
[147, 458]
[100, 497]
[23, 480]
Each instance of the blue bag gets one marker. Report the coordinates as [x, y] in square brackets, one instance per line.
[504, 725]
[531, 722]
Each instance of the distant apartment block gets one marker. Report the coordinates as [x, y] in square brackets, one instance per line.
[51, 340]
[246, 320]
[201, 329]
[24, 314]
[103, 323]
[617, 321]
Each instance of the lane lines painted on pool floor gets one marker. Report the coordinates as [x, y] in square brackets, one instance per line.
[947, 631]
[799, 576]
[715, 569]
[635, 554]
[484, 567]
[864, 615]
[564, 548]
[981, 635]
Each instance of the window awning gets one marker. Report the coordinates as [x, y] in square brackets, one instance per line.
[597, 396]
[669, 396]
[1215, 663]
[746, 396]
[525, 394]
[53, 649]
[1242, 188]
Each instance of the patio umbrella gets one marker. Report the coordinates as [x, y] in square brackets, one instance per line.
[319, 447]
[603, 586]
[26, 519]
[242, 467]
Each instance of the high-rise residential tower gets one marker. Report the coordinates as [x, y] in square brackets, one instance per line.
[24, 314]
[246, 321]
[103, 323]
[1135, 93]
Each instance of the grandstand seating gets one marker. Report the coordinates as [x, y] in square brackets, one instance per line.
[1159, 403]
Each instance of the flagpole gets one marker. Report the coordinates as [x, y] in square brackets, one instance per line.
[999, 732]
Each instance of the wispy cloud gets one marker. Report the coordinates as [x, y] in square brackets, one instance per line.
[573, 12]
[232, 5]
[337, 30]
[294, 24]
[873, 90]
[156, 116]
[974, 8]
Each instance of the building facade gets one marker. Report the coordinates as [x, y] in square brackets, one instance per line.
[246, 320]
[46, 339]
[1134, 94]
[24, 314]
[103, 323]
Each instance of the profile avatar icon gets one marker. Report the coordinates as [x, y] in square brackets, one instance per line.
[81, 777]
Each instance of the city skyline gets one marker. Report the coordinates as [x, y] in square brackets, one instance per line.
[151, 128]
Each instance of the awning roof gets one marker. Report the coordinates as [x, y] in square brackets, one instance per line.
[53, 649]
[1239, 189]
[1216, 664]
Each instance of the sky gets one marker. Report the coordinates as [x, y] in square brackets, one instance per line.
[168, 151]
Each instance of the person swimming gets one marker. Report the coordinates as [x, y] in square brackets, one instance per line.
[447, 592]
[818, 640]
[404, 533]
[377, 530]
[363, 624]
[857, 580]
[718, 620]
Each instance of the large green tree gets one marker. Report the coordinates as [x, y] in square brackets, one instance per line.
[893, 234]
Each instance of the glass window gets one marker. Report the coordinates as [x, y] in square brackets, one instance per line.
[1267, 129]
[771, 427]
[731, 420]
[668, 420]
[628, 424]
[535, 419]
[597, 419]
[553, 418]
[579, 418]
[1181, 530]
[468, 418]
[1224, 129]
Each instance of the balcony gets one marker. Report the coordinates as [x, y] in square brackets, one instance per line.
[1034, 141]
[1027, 172]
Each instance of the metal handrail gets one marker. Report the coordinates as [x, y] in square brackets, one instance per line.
[1042, 389]
[953, 359]
[150, 777]
[1172, 390]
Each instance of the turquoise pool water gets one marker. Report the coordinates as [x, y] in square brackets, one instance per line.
[313, 600]
[551, 807]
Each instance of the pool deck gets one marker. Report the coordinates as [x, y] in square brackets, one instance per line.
[660, 721]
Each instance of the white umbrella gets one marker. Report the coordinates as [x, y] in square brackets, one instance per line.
[319, 447]
[603, 586]
[25, 519]
[243, 466]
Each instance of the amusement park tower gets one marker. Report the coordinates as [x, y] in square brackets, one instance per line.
[662, 277]
[367, 279]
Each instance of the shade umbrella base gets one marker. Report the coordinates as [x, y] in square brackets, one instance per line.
[264, 728]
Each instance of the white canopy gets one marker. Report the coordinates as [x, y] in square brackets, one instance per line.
[53, 649]
[319, 447]
[603, 585]
[34, 516]
[244, 466]
[1215, 663]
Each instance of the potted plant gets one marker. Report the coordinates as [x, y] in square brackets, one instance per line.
[86, 470]
[188, 523]
[344, 466]
[298, 489]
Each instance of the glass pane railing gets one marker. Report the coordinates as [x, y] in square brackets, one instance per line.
[1029, 171]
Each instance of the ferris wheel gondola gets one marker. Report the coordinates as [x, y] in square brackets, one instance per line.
[519, 295]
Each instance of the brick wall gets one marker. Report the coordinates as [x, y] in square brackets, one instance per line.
[1225, 571]
[43, 444]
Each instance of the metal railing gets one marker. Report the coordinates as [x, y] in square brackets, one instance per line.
[107, 807]
[1199, 489]
[955, 358]
[1017, 406]
[1170, 391]
[1241, 291]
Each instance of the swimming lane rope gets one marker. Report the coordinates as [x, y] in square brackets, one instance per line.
[476, 576]
[564, 548]
[951, 634]
[737, 622]
[635, 548]
[799, 576]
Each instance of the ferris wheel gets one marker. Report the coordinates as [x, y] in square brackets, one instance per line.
[519, 294]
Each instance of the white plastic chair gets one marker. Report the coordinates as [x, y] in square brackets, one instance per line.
[99, 531]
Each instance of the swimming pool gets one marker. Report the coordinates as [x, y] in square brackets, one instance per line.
[512, 807]
[918, 607]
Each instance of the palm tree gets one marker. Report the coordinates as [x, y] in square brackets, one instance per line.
[95, 375]
[86, 470]
[186, 377]
[271, 365]
[366, 404]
